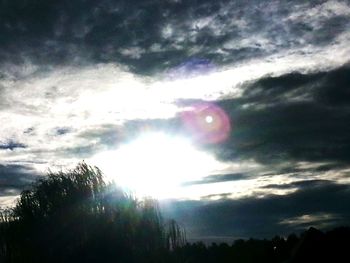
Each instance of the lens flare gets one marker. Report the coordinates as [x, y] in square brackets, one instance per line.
[207, 123]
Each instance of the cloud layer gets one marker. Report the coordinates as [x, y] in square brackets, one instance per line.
[79, 78]
[156, 35]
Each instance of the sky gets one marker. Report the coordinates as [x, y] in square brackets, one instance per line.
[234, 114]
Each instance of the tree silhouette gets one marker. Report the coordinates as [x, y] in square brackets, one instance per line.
[76, 215]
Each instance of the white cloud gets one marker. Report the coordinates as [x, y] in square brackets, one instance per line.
[78, 98]
[7, 201]
[133, 52]
[320, 13]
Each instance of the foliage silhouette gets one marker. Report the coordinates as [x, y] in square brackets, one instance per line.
[76, 216]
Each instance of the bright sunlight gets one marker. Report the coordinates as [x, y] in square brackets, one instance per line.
[155, 164]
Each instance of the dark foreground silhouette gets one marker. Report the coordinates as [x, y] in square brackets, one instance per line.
[312, 246]
[76, 217]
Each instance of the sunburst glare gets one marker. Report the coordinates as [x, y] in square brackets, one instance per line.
[155, 164]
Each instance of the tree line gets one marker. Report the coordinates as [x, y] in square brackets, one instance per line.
[311, 246]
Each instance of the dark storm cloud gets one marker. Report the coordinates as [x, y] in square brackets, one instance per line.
[11, 145]
[299, 184]
[292, 170]
[267, 216]
[211, 179]
[149, 36]
[29, 130]
[14, 178]
[294, 117]
[62, 130]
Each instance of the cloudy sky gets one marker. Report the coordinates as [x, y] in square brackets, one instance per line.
[235, 114]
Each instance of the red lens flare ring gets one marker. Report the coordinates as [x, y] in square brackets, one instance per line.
[207, 123]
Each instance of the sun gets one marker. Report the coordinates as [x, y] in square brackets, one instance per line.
[209, 119]
[155, 164]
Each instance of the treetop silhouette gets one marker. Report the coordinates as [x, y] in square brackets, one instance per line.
[75, 215]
